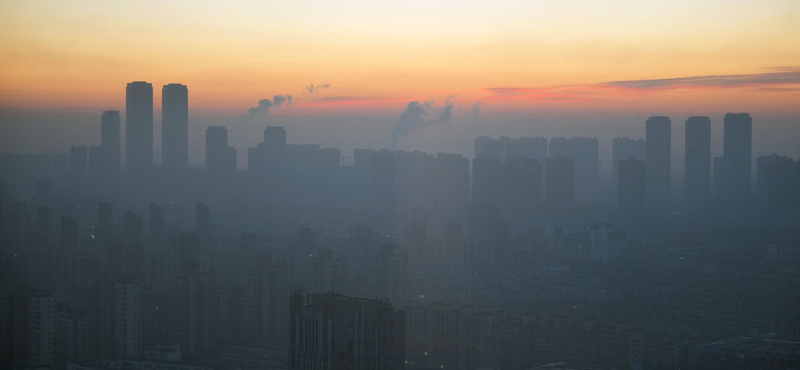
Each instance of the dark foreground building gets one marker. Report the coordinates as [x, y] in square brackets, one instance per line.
[331, 331]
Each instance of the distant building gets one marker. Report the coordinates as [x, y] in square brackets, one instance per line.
[220, 158]
[78, 161]
[27, 329]
[487, 180]
[697, 181]
[560, 189]
[625, 148]
[270, 299]
[202, 222]
[584, 153]
[659, 158]
[139, 126]
[501, 148]
[733, 179]
[779, 181]
[175, 126]
[331, 331]
[110, 145]
[156, 221]
[521, 187]
[607, 242]
[632, 187]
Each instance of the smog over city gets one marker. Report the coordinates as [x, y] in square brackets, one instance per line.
[419, 184]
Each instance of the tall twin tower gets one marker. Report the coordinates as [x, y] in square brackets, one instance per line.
[139, 126]
[732, 171]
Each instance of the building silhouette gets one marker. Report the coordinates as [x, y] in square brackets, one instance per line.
[331, 331]
[733, 176]
[220, 158]
[624, 148]
[521, 187]
[139, 127]
[697, 180]
[487, 180]
[78, 161]
[175, 126]
[586, 163]
[658, 154]
[632, 187]
[778, 181]
[110, 145]
[560, 181]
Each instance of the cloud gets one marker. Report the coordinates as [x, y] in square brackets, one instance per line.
[312, 89]
[415, 116]
[263, 108]
[278, 100]
[771, 81]
[476, 109]
[721, 81]
[264, 105]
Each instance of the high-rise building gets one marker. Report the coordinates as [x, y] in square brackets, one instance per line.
[127, 320]
[503, 147]
[202, 222]
[632, 187]
[220, 158]
[778, 181]
[521, 188]
[175, 126]
[623, 148]
[658, 139]
[560, 188]
[78, 161]
[584, 153]
[109, 143]
[607, 242]
[270, 299]
[331, 331]
[486, 180]
[269, 156]
[156, 221]
[735, 177]
[27, 329]
[139, 126]
[697, 185]
[197, 314]
[69, 233]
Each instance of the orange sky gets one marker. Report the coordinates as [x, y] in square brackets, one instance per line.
[377, 56]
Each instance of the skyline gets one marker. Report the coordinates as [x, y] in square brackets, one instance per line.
[512, 68]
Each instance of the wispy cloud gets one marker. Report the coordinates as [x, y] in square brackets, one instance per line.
[314, 88]
[789, 77]
[781, 79]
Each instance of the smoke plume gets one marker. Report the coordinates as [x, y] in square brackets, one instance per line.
[312, 89]
[415, 116]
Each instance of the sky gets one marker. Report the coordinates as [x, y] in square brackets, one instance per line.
[549, 68]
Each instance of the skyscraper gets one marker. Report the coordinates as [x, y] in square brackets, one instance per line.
[623, 148]
[737, 153]
[697, 185]
[521, 187]
[175, 126]
[658, 139]
[139, 126]
[586, 163]
[330, 331]
[632, 187]
[486, 180]
[560, 180]
[78, 161]
[220, 158]
[110, 142]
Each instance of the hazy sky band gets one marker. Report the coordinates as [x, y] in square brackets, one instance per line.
[59, 53]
